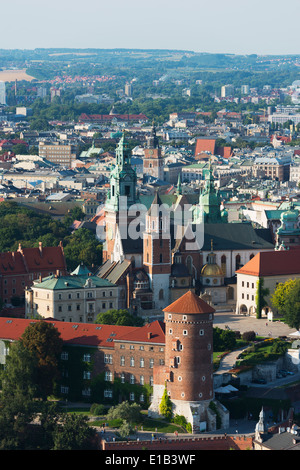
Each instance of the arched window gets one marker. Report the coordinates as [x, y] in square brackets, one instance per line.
[161, 294]
[189, 264]
[160, 258]
[223, 264]
[237, 262]
[251, 256]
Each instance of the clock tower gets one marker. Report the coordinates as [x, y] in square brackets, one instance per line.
[121, 196]
[157, 252]
[153, 161]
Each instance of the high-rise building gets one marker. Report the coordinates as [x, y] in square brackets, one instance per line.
[56, 152]
[227, 90]
[128, 89]
[2, 93]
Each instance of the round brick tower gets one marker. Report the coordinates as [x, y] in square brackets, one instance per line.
[187, 375]
[189, 349]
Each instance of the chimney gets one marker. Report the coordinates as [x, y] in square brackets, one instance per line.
[57, 273]
[41, 247]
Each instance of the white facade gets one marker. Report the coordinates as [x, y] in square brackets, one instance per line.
[246, 291]
[2, 93]
[70, 304]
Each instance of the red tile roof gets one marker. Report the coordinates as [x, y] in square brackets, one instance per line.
[273, 263]
[189, 303]
[11, 262]
[86, 334]
[151, 332]
[205, 145]
[48, 257]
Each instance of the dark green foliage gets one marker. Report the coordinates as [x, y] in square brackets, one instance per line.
[224, 340]
[118, 317]
[26, 226]
[97, 409]
[249, 336]
[43, 341]
[73, 433]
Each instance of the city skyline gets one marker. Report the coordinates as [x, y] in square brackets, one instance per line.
[232, 27]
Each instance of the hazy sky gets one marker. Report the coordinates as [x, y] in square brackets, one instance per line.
[226, 26]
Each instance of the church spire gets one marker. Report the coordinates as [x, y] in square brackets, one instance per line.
[179, 189]
[123, 178]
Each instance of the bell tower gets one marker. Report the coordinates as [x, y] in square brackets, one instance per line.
[157, 251]
[153, 161]
[121, 196]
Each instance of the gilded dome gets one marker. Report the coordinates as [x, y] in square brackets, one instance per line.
[211, 270]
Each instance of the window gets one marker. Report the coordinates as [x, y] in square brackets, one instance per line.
[122, 361]
[132, 379]
[108, 359]
[151, 363]
[87, 375]
[108, 376]
[64, 356]
[142, 380]
[108, 393]
[185, 332]
[132, 361]
[131, 396]
[142, 362]
[87, 357]
[122, 378]
[201, 332]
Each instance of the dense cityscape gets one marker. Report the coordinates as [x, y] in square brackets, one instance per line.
[150, 227]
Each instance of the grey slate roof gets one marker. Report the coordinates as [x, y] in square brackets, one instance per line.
[236, 236]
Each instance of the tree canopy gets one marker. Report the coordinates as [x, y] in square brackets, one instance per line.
[43, 341]
[118, 317]
[286, 299]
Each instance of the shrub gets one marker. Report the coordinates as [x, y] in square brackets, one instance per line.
[97, 409]
[249, 336]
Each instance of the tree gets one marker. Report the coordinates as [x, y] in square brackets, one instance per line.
[74, 433]
[165, 407]
[287, 300]
[129, 413]
[43, 340]
[281, 293]
[82, 246]
[224, 340]
[118, 317]
[16, 400]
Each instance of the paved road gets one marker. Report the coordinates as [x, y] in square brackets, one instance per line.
[242, 323]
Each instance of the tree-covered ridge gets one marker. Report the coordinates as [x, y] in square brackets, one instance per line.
[22, 225]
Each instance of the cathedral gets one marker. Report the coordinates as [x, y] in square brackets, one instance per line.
[158, 247]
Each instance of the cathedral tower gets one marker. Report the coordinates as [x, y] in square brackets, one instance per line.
[121, 196]
[153, 160]
[157, 251]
